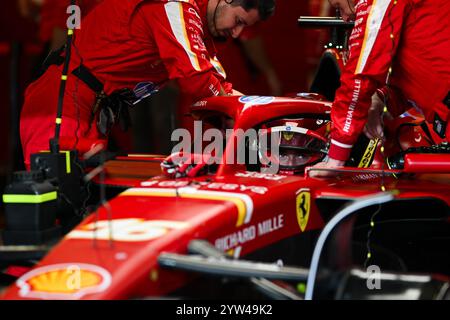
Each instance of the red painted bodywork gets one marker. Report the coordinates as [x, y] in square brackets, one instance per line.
[211, 208]
[427, 163]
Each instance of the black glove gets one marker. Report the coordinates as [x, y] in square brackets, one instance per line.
[114, 108]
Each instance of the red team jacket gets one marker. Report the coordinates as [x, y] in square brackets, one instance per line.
[136, 44]
[413, 35]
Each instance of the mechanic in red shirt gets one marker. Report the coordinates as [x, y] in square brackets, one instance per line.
[127, 50]
[400, 48]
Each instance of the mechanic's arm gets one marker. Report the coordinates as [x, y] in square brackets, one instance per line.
[59, 38]
[25, 8]
[177, 30]
[397, 103]
[370, 54]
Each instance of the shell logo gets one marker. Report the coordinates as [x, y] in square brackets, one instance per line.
[64, 281]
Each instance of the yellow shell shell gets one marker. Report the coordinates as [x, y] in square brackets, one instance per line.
[64, 281]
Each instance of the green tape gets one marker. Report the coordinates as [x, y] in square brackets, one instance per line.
[29, 198]
[68, 168]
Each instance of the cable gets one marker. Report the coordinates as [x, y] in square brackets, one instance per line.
[83, 210]
[54, 142]
[77, 107]
[369, 233]
[386, 96]
[75, 95]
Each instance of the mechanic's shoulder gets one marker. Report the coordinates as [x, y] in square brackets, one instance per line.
[187, 4]
[192, 3]
[152, 8]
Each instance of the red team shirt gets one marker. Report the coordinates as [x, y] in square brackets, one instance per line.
[417, 34]
[133, 44]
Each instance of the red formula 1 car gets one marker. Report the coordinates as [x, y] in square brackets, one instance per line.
[137, 244]
[258, 226]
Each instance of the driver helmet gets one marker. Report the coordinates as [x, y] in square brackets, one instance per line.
[300, 142]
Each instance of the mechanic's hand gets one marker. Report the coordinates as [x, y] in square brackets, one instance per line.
[374, 128]
[178, 165]
[236, 93]
[329, 164]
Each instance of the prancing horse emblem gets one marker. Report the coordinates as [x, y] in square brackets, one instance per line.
[303, 206]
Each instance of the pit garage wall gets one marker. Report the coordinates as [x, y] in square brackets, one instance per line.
[286, 47]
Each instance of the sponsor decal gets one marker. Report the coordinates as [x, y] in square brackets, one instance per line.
[368, 155]
[64, 281]
[288, 135]
[258, 175]
[197, 24]
[213, 90]
[217, 185]
[200, 103]
[126, 230]
[352, 106]
[238, 238]
[143, 90]
[197, 41]
[256, 100]
[194, 13]
[365, 177]
[358, 21]
[236, 187]
[418, 138]
[303, 206]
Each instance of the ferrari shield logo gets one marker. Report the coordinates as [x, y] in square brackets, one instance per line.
[288, 136]
[303, 205]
